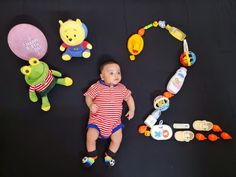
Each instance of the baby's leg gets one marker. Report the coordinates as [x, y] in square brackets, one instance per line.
[116, 139]
[113, 148]
[92, 136]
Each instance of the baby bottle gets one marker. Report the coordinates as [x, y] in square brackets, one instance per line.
[152, 119]
[175, 32]
[177, 80]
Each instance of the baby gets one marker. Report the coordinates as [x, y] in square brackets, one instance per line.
[104, 99]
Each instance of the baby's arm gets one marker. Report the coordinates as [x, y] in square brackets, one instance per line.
[131, 105]
[89, 101]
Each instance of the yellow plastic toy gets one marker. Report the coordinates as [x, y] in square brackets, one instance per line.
[73, 34]
[176, 33]
[135, 45]
[135, 42]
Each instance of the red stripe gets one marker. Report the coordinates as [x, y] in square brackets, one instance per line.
[41, 87]
[109, 101]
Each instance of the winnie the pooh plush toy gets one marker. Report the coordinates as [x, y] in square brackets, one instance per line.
[73, 34]
[42, 80]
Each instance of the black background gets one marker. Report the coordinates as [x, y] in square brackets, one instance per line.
[52, 144]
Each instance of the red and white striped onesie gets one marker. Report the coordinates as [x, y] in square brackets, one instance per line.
[109, 99]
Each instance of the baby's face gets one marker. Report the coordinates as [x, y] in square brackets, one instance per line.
[111, 74]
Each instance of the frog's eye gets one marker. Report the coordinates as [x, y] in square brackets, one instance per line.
[26, 70]
[33, 61]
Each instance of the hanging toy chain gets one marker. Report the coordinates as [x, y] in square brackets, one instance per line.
[187, 58]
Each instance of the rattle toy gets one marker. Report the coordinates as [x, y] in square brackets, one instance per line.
[135, 46]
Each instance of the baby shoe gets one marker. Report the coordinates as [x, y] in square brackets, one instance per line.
[202, 125]
[109, 161]
[88, 161]
[184, 136]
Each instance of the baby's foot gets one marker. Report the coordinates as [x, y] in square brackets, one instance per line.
[109, 161]
[88, 161]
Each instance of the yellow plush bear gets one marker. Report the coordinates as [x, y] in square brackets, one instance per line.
[73, 34]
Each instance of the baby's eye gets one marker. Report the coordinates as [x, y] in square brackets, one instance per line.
[111, 73]
[119, 73]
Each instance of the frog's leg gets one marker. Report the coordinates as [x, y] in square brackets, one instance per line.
[33, 97]
[67, 81]
[45, 103]
[56, 73]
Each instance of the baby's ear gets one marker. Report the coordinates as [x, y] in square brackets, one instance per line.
[101, 76]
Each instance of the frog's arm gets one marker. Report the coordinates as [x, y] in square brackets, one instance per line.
[56, 73]
[32, 95]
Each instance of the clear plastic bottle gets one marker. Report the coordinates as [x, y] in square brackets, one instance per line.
[175, 32]
[176, 82]
[152, 118]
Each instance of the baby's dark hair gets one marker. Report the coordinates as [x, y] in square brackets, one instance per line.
[111, 61]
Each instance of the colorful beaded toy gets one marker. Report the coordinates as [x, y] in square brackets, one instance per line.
[187, 58]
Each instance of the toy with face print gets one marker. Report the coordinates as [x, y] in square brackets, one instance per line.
[73, 34]
[41, 80]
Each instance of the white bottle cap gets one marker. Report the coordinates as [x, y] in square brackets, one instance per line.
[183, 68]
[185, 44]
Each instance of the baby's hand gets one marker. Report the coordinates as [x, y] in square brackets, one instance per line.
[130, 114]
[93, 108]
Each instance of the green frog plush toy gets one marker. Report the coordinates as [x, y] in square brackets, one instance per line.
[42, 80]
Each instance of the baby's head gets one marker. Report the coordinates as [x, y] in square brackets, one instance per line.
[110, 72]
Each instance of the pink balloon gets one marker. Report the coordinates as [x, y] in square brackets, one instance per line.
[27, 41]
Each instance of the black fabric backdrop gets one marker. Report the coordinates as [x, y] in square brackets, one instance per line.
[48, 144]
